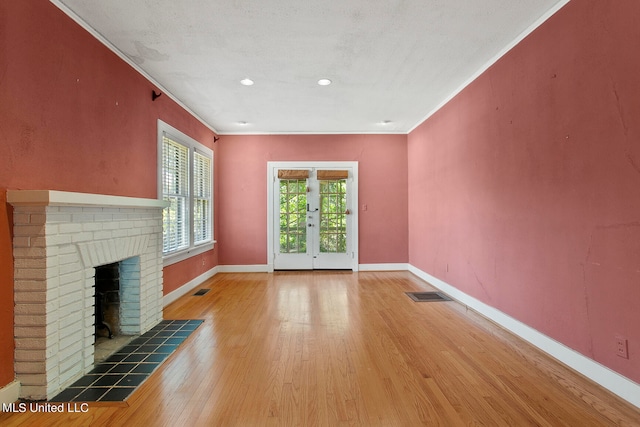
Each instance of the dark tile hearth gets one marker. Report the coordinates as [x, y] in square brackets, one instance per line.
[120, 374]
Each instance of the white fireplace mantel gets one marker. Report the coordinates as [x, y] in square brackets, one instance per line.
[67, 198]
[59, 238]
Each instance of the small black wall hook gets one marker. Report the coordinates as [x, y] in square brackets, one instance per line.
[215, 139]
[155, 95]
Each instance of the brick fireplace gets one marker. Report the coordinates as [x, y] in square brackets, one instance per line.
[59, 238]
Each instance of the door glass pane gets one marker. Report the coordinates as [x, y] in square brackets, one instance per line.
[293, 212]
[333, 217]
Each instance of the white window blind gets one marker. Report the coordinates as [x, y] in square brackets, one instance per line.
[201, 198]
[175, 172]
[186, 182]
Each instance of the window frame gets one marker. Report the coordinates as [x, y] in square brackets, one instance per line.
[193, 146]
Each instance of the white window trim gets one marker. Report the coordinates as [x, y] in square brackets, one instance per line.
[178, 136]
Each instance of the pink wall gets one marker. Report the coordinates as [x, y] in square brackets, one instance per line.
[73, 117]
[524, 190]
[243, 191]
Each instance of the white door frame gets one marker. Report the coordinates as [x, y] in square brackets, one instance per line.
[272, 176]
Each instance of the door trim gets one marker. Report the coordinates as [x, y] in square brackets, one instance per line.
[272, 175]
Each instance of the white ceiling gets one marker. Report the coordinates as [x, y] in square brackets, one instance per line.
[389, 60]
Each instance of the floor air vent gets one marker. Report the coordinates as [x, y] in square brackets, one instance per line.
[427, 296]
[201, 292]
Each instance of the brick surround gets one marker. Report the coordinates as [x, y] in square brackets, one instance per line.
[58, 240]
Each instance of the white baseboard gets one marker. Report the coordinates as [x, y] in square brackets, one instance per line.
[184, 289]
[257, 268]
[194, 283]
[384, 267]
[10, 393]
[612, 381]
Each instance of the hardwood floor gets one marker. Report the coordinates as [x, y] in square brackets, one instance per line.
[338, 348]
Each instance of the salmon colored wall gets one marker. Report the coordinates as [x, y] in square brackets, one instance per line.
[524, 190]
[73, 117]
[6, 294]
[382, 187]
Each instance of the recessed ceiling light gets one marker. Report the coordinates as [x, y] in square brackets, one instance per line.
[242, 123]
[385, 122]
[324, 82]
[246, 82]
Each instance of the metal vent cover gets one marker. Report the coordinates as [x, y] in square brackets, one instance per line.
[427, 296]
[201, 292]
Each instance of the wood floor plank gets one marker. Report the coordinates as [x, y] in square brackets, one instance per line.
[346, 349]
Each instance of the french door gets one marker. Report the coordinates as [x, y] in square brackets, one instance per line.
[313, 222]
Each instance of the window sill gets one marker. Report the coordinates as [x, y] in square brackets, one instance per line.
[188, 253]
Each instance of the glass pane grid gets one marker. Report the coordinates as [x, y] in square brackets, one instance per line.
[293, 210]
[333, 217]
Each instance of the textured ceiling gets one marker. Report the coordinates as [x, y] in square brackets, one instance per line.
[391, 60]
